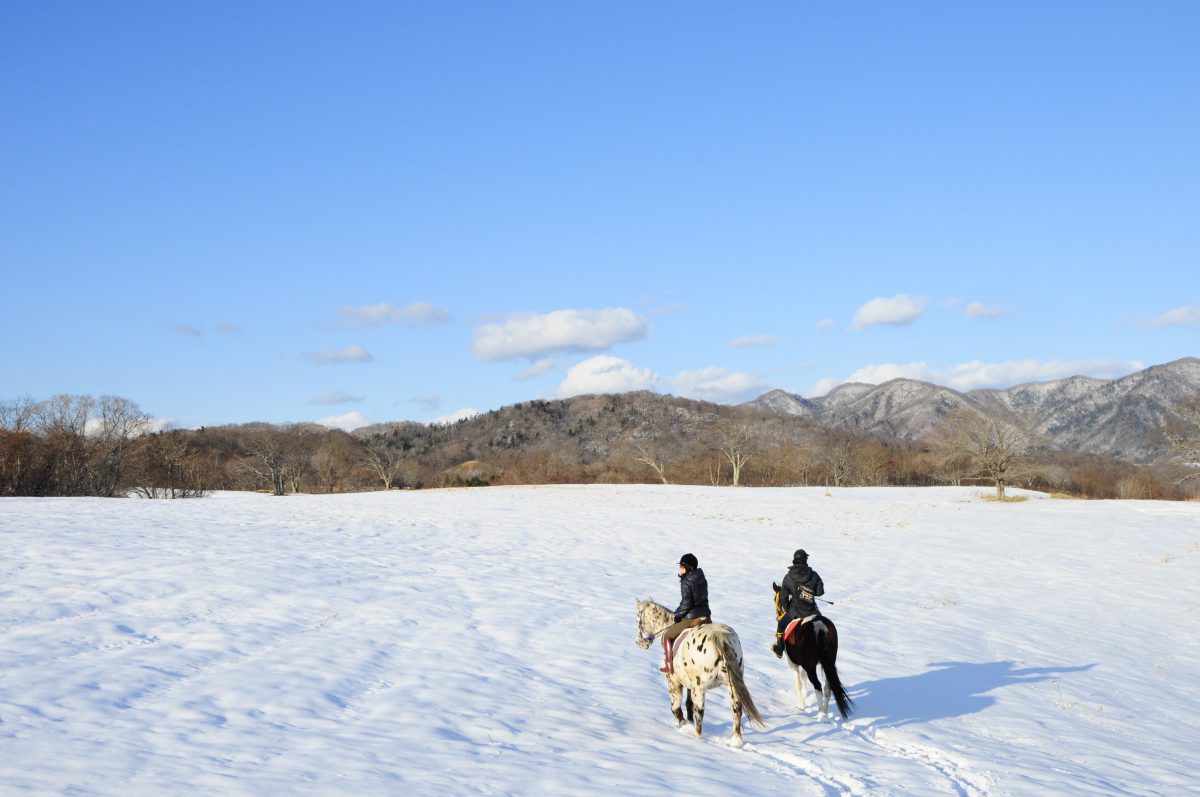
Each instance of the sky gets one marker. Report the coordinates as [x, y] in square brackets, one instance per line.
[299, 211]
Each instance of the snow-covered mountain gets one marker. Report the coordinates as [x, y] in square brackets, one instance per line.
[1118, 417]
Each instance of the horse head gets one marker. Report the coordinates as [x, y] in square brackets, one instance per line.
[649, 622]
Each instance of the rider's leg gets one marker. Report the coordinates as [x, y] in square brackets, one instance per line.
[780, 627]
[669, 636]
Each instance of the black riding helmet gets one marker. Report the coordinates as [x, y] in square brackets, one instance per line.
[800, 557]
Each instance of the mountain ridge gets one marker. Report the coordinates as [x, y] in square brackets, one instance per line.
[1116, 417]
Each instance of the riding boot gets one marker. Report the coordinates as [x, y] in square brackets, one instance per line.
[666, 668]
[777, 648]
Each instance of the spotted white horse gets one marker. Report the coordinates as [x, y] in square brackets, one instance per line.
[710, 655]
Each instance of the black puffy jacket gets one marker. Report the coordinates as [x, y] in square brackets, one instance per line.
[801, 579]
[693, 588]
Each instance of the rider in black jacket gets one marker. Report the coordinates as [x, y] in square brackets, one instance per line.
[693, 604]
[797, 595]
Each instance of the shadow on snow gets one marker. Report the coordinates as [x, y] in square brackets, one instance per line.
[950, 689]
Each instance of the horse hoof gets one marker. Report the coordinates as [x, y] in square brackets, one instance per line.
[737, 743]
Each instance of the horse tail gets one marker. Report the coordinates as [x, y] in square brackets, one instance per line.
[735, 682]
[827, 655]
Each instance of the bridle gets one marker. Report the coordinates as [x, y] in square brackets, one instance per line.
[650, 637]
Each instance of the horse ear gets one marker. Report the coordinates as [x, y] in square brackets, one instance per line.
[774, 586]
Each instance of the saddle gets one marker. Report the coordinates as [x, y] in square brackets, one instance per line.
[789, 633]
[670, 647]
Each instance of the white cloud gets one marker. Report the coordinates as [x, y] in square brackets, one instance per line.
[981, 310]
[717, 385]
[411, 315]
[896, 311]
[335, 397]
[454, 417]
[348, 422]
[975, 374]
[606, 374]
[1179, 317]
[228, 329]
[754, 340]
[352, 354]
[822, 387]
[878, 374]
[159, 424]
[538, 368]
[826, 324]
[535, 336]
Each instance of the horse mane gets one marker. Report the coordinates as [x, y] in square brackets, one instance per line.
[658, 606]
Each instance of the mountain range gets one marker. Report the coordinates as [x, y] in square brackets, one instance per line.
[1116, 417]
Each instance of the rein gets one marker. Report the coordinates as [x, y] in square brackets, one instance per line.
[650, 637]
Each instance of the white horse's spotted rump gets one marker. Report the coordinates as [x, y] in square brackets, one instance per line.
[710, 655]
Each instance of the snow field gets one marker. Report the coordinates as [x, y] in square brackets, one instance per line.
[482, 642]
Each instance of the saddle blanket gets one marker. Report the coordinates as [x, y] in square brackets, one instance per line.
[790, 631]
[674, 646]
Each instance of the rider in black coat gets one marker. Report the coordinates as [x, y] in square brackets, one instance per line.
[693, 604]
[693, 590]
[797, 596]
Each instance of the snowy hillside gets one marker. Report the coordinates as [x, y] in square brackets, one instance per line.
[482, 642]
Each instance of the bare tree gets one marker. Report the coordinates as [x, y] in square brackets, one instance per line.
[300, 442]
[117, 424]
[266, 459]
[657, 463]
[1184, 438]
[837, 454]
[737, 444]
[18, 446]
[165, 466]
[384, 461]
[996, 449]
[872, 462]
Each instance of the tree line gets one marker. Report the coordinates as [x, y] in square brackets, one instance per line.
[107, 446]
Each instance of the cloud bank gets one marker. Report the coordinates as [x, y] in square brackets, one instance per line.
[347, 423]
[536, 336]
[352, 354]
[606, 374]
[414, 314]
[754, 340]
[454, 417]
[981, 310]
[1179, 317]
[896, 311]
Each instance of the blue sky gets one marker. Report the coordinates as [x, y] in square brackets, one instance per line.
[368, 212]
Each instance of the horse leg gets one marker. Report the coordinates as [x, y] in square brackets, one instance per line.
[675, 690]
[801, 692]
[735, 703]
[690, 705]
[810, 669]
[699, 700]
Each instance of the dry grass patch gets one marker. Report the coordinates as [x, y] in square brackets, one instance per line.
[1008, 499]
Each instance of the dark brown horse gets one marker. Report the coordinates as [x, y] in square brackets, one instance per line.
[814, 641]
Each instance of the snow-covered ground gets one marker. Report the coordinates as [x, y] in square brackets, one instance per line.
[482, 642]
